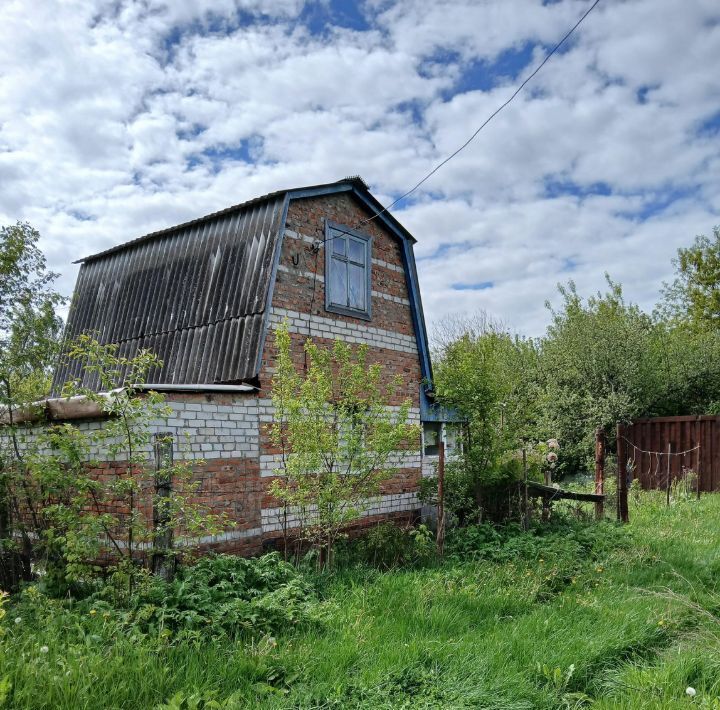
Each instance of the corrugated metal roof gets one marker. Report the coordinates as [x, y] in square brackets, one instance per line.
[196, 296]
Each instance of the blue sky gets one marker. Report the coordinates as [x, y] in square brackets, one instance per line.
[118, 118]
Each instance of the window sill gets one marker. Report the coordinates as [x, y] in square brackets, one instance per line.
[362, 315]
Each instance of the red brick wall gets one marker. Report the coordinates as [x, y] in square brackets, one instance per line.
[294, 291]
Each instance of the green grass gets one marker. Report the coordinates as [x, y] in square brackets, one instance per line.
[548, 624]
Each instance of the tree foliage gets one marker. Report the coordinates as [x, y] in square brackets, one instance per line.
[596, 368]
[601, 361]
[693, 297]
[486, 376]
[337, 436]
[29, 341]
[29, 326]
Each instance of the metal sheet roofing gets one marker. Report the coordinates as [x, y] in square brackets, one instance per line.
[194, 294]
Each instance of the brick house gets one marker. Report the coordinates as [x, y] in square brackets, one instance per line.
[205, 297]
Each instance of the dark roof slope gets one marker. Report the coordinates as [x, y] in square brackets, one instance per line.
[195, 295]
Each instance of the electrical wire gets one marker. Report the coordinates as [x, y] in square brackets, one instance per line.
[485, 122]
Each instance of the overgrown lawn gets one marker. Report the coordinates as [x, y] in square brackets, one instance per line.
[578, 616]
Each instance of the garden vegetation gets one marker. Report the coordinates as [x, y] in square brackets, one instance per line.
[565, 613]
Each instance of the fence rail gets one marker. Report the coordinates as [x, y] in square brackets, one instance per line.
[694, 444]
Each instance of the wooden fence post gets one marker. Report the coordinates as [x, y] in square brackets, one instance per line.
[441, 499]
[698, 468]
[622, 492]
[599, 470]
[526, 512]
[667, 482]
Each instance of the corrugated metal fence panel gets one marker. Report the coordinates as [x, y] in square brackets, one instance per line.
[195, 296]
[650, 438]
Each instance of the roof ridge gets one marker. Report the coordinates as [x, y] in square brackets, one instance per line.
[354, 180]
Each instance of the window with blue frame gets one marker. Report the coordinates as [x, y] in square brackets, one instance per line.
[347, 271]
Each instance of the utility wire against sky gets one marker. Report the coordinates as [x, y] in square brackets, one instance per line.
[487, 120]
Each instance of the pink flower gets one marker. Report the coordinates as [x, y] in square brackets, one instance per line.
[552, 457]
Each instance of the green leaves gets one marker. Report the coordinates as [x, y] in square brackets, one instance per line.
[336, 434]
[29, 328]
[694, 295]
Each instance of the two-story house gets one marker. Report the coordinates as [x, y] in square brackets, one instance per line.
[206, 295]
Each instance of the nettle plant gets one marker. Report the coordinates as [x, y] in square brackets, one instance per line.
[86, 512]
[338, 439]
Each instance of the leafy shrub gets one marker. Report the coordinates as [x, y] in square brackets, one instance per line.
[563, 539]
[221, 593]
[388, 546]
[470, 498]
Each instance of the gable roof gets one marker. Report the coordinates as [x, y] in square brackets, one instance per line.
[198, 294]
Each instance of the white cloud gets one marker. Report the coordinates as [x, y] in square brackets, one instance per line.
[118, 118]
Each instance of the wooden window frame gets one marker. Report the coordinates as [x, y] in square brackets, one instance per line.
[331, 231]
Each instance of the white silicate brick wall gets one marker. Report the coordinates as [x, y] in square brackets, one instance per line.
[200, 430]
[273, 518]
[331, 328]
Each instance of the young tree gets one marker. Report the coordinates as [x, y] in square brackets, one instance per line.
[151, 494]
[29, 341]
[337, 437]
[693, 297]
[487, 376]
[76, 510]
[597, 368]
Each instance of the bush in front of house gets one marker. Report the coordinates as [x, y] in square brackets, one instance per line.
[220, 594]
[388, 546]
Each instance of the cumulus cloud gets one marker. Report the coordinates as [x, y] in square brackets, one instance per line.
[120, 117]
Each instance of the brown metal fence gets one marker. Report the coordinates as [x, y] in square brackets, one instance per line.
[692, 441]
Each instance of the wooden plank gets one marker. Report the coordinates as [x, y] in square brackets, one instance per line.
[711, 464]
[599, 470]
[684, 433]
[689, 418]
[540, 489]
[706, 458]
[622, 507]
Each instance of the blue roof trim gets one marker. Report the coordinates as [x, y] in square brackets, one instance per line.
[318, 191]
[416, 309]
[433, 412]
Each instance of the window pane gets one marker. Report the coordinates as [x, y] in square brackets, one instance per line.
[453, 442]
[338, 282]
[356, 282]
[431, 435]
[357, 251]
[338, 244]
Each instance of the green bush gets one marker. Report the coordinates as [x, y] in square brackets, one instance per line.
[388, 546]
[224, 594]
[562, 540]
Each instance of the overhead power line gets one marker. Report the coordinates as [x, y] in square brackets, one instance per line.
[488, 119]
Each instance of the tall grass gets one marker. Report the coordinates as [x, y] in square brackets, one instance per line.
[573, 618]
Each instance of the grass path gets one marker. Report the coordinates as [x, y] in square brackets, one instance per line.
[546, 626]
